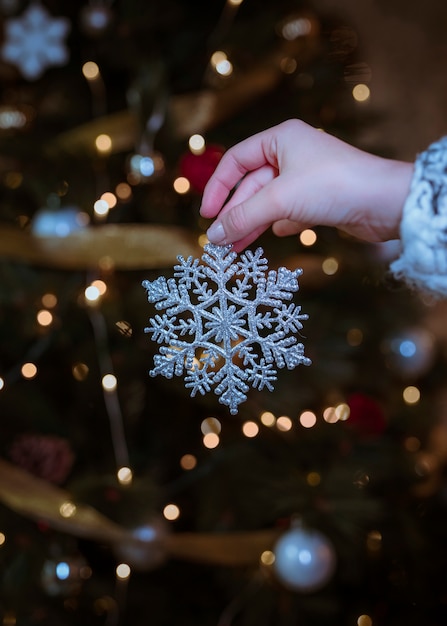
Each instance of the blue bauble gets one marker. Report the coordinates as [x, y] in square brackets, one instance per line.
[305, 559]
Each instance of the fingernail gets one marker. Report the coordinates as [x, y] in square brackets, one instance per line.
[216, 233]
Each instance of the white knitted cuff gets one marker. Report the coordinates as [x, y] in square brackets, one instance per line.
[423, 230]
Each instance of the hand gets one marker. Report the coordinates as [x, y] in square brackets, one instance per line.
[292, 177]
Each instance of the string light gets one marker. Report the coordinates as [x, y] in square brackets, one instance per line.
[196, 144]
[361, 93]
[308, 237]
[211, 440]
[80, 371]
[364, 620]
[411, 395]
[125, 475]
[188, 462]
[29, 370]
[308, 419]
[67, 509]
[2, 539]
[123, 191]
[49, 300]
[103, 143]
[313, 479]
[92, 294]
[90, 70]
[267, 557]
[354, 337]
[100, 286]
[2, 383]
[181, 185]
[44, 317]
[110, 198]
[109, 382]
[330, 266]
[122, 571]
[171, 512]
[101, 208]
[284, 423]
[210, 425]
[268, 419]
[250, 429]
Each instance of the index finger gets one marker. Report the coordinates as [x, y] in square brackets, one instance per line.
[246, 156]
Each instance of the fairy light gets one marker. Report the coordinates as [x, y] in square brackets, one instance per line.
[221, 63]
[101, 208]
[123, 191]
[330, 415]
[181, 185]
[268, 419]
[267, 557]
[124, 475]
[313, 479]
[29, 370]
[90, 70]
[103, 143]
[330, 266]
[109, 382]
[67, 509]
[411, 395]
[210, 425]
[2, 383]
[49, 300]
[308, 419]
[295, 28]
[342, 411]
[354, 337]
[92, 294]
[80, 371]
[44, 317]
[250, 429]
[110, 198]
[308, 237]
[361, 92]
[171, 512]
[100, 286]
[2, 539]
[211, 440]
[284, 423]
[196, 144]
[364, 620]
[122, 571]
[235, 3]
[188, 462]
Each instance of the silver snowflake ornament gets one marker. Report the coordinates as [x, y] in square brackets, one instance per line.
[34, 41]
[225, 325]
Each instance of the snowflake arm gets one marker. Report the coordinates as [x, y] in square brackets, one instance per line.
[217, 329]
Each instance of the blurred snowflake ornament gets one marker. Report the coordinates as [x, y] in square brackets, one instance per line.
[224, 336]
[34, 41]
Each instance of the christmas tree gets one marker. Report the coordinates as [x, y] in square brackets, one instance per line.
[130, 498]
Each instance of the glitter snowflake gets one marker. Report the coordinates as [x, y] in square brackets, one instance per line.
[229, 335]
[34, 41]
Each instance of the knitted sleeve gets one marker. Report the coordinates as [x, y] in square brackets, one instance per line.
[423, 231]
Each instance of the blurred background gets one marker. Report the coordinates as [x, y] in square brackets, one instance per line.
[124, 500]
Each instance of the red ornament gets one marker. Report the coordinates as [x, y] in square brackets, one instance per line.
[198, 168]
[366, 415]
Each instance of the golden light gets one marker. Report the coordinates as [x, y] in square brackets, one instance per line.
[361, 93]
[109, 382]
[110, 198]
[49, 300]
[330, 266]
[44, 317]
[235, 3]
[92, 294]
[374, 541]
[411, 395]
[101, 208]
[103, 143]
[308, 237]
[67, 509]
[90, 70]
[29, 370]
[250, 429]
[80, 371]
[364, 620]
[343, 411]
[122, 571]
[171, 512]
[210, 425]
[123, 191]
[412, 444]
[221, 63]
[268, 419]
[313, 479]
[354, 337]
[218, 57]
[2, 539]
[196, 144]
[308, 419]
[284, 423]
[100, 286]
[267, 557]
[125, 475]
[288, 65]
[181, 185]
[330, 415]
[202, 240]
[188, 462]
[211, 440]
